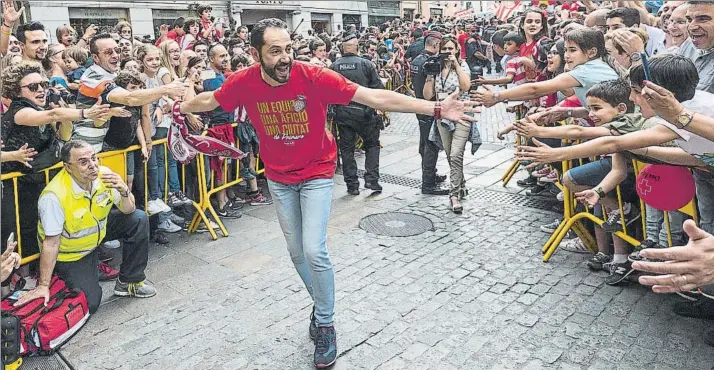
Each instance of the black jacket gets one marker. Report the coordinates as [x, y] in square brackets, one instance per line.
[417, 73]
[362, 72]
[415, 49]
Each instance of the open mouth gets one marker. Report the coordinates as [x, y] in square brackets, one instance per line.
[283, 70]
[40, 97]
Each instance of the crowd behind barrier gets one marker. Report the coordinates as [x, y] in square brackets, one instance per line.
[571, 65]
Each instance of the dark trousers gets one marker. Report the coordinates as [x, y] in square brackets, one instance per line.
[369, 133]
[133, 231]
[428, 150]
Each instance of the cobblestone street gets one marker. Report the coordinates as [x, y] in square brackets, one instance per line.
[471, 293]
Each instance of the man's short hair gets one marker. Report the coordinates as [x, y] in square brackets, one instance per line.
[93, 49]
[417, 33]
[124, 78]
[199, 43]
[257, 39]
[203, 7]
[30, 26]
[673, 72]
[630, 16]
[516, 37]
[66, 152]
[497, 38]
[613, 92]
[178, 23]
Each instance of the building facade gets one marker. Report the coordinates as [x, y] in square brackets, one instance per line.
[147, 16]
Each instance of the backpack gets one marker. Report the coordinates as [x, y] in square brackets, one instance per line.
[42, 330]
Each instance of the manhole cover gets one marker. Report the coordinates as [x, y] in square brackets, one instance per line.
[396, 224]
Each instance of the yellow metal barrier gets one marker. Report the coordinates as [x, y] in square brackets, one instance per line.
[116, 161]
[520, 111]
[572, 220]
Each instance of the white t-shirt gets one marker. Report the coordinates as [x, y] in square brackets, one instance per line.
[697, 146]
[655, 43]
[52, 214]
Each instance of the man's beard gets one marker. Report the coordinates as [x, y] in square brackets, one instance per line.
[273, 73]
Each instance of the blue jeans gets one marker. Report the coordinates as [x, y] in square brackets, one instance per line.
[303, 212]
[656, 229]
[174, 185]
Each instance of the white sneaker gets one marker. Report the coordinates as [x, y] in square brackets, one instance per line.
[111, 244]
[157, 206]
[560, 197]
[169, 227]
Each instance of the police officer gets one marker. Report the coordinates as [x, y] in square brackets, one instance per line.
[357, 119]
[428, 150]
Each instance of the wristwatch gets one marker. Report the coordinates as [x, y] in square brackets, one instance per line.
[684, 119]
[600, 192]
[635, 57]
[497, 96]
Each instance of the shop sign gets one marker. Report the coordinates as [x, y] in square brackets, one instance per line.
[98, 13]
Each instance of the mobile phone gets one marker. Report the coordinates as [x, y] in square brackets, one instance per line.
[10, 239]
[390, 45]
[646, 66]
[207, 75]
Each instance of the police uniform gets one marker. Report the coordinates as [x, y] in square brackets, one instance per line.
[428, 150]
[357, 119]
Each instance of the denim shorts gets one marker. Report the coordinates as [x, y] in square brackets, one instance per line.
[591, 174]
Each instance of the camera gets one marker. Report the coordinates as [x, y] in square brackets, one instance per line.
[434, 64]
[55, 96]
[476, 73]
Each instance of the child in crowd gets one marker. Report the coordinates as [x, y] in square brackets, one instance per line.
[77, 61]
[609, 108]
[513, 64]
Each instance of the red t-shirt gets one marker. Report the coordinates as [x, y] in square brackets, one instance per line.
[462, 42]
[295, 144]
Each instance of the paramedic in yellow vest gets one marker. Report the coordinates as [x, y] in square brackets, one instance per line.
[84, 204]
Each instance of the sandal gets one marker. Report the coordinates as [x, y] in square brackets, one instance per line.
[455, 205]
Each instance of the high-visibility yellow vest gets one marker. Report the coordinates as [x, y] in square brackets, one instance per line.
[85, 221]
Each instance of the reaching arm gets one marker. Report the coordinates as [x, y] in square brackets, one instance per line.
[31, 117]
[389, 101]
[617, 174]
[497, 81]
[146, 96]
[205, 102]
[529, 128]
[538, 89]
[675, 156]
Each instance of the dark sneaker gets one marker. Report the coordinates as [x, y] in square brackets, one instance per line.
[313, 325]
[619, 272]
[160, 238]
[227, 212]
[709, 337]
[104, 256]
[186, 201]
[352, 190]
[235, 205]
[258, 200]
[138, 290]
[703, 308]
[613, 223]
[635, 255]
[551, 227]
[598, 261]
[325, 347]
[178, 220]
[106, 272]
[527, 182]
[440, 178]
[539, 191]
[434, 190]
[374, 186]
[691, 296]
[174, 201]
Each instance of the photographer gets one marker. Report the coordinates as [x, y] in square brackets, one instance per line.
[28, 123]
[356, 119]
[427, 149]
[454, 75]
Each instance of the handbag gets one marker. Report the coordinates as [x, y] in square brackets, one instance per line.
[48, 157]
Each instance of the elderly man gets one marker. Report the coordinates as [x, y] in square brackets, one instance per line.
[76, 213]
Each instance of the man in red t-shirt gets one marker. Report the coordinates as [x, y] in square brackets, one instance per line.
[462, 36]
[287, 103]
[176, 33]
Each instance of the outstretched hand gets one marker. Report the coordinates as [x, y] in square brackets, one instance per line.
[662, 101]
[685, 268]
[455, 110]
[539, 153]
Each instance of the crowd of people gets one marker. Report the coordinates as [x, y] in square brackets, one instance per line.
[580, 63]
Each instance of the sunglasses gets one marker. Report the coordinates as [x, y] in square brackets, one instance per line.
[35, 86]
[109, 52]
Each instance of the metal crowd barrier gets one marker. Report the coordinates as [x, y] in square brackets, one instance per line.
[116, 161]
[571, 219]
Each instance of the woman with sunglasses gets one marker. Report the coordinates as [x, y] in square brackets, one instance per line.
[455, 75]
[27, 123]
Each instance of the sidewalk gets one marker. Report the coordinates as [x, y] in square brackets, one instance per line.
[471, 293]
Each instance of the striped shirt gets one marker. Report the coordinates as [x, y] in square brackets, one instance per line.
[95, 82]
[515, 69]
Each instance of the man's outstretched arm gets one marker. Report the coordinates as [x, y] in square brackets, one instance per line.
[203, 102]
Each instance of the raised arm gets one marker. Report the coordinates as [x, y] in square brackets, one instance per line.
[203, 102]
[145, 96]
[527, 91]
